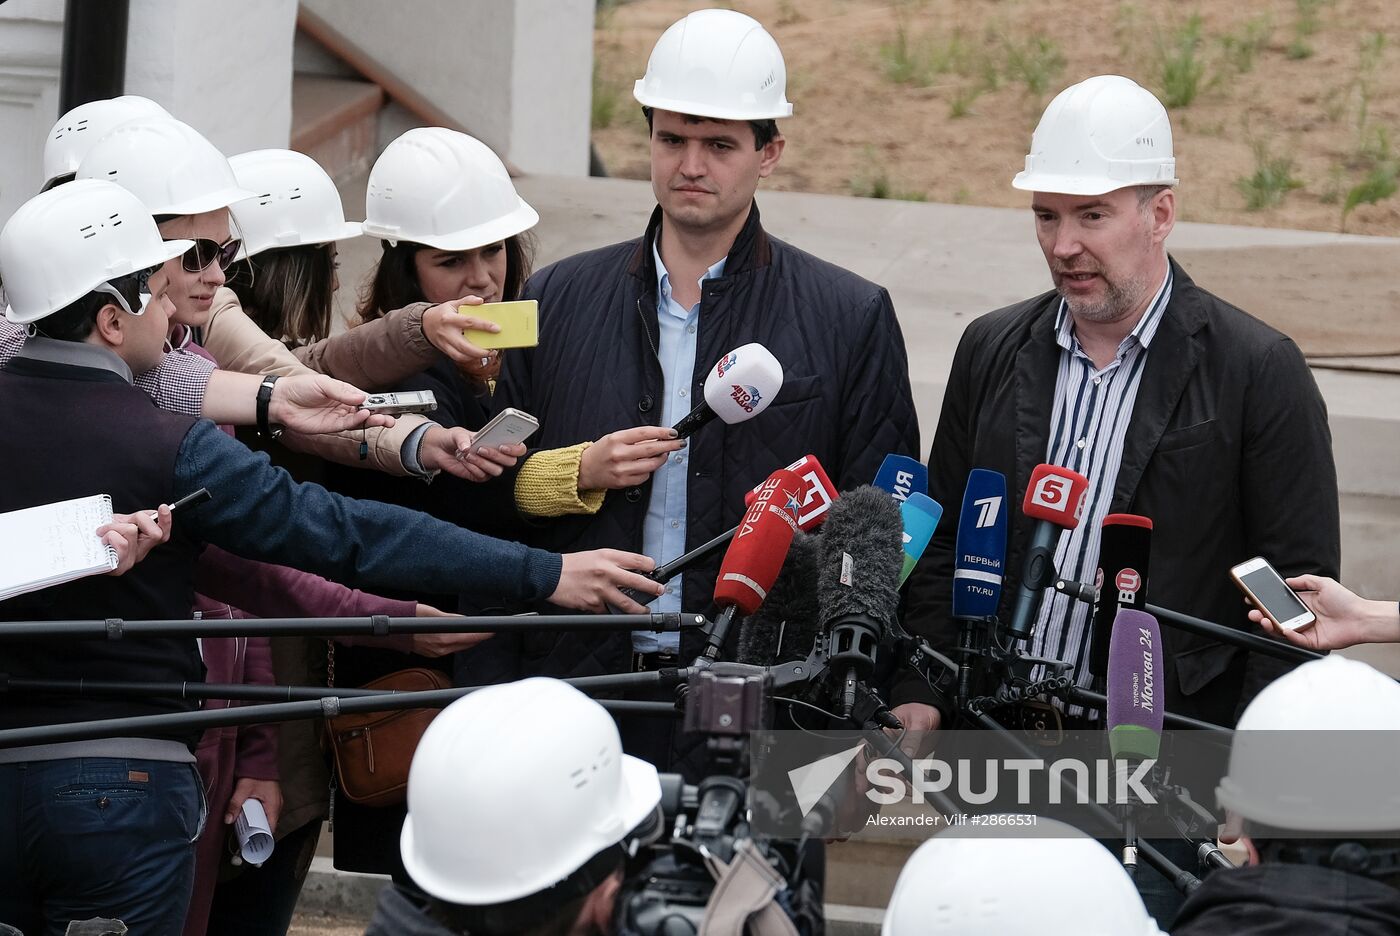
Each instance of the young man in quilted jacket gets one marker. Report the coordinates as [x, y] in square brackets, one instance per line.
[628, 333]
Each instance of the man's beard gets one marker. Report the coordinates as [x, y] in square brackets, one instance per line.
[1120, 299]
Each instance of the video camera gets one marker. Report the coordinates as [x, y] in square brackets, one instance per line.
[703, 841]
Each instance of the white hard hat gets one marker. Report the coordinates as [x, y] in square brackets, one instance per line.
[1308, 754]
[444, 189]
[719, 64]
[1103, 134]
[515, 787]
[77, 131]
[1050, 880]
[167, 164]
[64, 243]
[296, 202]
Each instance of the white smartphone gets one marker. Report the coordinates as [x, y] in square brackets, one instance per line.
[1271, 594]
[509, 425]
[400, 402]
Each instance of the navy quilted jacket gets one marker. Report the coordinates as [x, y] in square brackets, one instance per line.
[845, 398]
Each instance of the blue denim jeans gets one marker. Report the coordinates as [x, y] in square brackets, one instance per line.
[98, 837]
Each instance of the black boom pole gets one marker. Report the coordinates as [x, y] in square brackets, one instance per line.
[94, 51]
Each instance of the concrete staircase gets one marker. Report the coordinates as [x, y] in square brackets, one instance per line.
[346, 105]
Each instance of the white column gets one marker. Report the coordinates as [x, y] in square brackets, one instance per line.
[225, 69]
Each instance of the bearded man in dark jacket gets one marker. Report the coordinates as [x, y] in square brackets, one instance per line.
[629, 332]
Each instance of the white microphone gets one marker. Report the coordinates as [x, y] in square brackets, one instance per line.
[741, 385]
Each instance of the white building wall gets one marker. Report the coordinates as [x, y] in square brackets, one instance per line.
[226, 70]
[31, 45]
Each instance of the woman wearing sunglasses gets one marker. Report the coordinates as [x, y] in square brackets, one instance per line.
[234, 764]
[188, 185]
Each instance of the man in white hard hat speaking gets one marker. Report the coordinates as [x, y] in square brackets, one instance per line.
[628, 333]
[520, 803]
[1311, 792]
[1175, 405]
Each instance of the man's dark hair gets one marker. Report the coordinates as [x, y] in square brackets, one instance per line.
[75, 321]
[764, 131]
[550, 912]
[1368, 857]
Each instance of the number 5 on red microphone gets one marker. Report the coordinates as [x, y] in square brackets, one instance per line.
[1271, 594]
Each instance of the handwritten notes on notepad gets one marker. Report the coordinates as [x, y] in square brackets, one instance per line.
[53, 543]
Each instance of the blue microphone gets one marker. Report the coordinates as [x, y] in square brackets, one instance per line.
[921, 514]
[977, 571]
[981, 546]
[899, 476]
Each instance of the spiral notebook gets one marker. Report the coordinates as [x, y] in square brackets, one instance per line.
[54, 543]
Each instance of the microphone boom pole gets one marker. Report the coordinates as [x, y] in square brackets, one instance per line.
[326, 707]
[1280, 651]
[378, 625]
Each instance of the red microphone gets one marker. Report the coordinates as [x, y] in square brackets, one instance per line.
[755, 555]
[1054, 500]
[818, 492]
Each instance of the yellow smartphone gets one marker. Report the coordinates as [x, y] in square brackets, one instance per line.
[519, 321]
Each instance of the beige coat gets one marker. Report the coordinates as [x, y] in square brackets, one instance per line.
[372, 356]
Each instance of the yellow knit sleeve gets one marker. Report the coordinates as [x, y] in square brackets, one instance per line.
[547, 484]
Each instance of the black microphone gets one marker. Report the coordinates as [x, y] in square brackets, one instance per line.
[858, 583]
[1125, 549]
[1054, 499]
[784, 627]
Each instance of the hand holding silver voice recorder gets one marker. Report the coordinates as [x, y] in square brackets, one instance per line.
[400, 402]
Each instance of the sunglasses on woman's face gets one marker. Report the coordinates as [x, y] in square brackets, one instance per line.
[206, 251]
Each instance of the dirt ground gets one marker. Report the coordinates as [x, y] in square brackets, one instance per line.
[1306, 92]
[856, 129]
[316, 924]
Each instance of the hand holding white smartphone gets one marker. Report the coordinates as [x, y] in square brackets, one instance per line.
[1271, 594]
[509, 425]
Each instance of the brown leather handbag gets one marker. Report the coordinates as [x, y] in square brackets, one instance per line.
[372, 751]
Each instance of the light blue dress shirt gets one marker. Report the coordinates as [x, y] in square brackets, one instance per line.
[663, 531]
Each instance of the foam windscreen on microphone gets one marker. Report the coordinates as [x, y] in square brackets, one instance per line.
[862, 557]
[1135, 710]
[1055, 495]
[756, 553]
[819, 492]
[980, 556]
[1125, 552]
[743, 383]
[900, 476]
[785, 626]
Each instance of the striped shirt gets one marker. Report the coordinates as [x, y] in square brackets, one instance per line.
[1088, 426]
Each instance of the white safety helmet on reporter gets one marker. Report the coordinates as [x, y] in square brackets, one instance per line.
[1307, 754]
[296, 203]
[167, 164]
[516, 787]
[1049, 880]
[719, 64]
[443, 189]
[1103, 134]
[76, 131]
[69, 241]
